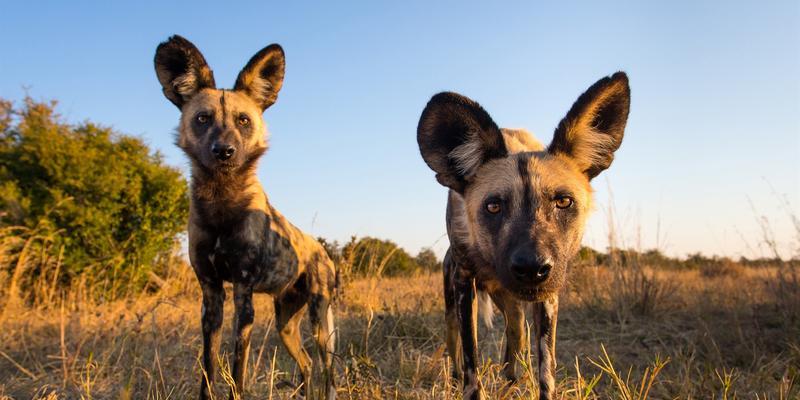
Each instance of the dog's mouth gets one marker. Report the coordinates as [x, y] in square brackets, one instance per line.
[223, 165]
[227, 164]
[530, 290]
[530, 294]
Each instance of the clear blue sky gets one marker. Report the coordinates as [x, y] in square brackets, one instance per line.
[715, 115]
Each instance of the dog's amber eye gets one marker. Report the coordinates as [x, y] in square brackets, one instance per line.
[202, 119]
[493, 208]
[564, 202]
[244, 120]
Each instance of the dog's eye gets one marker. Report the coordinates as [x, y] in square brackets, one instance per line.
[564, 202]
[493, 207]
[202, 119]
[244, 120]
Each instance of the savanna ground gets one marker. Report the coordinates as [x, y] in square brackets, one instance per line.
[723, 333]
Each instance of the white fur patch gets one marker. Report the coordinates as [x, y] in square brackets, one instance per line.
[593, 147]
[469, 155]
[185, 85]
[485, 309]
[331, 330]
[262, 88]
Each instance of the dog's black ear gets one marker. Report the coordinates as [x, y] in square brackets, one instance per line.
[182, 70]
[455, 136]
[593, 128]
[262, 77]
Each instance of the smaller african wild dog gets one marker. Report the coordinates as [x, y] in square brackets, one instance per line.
[515, 215]
[235, 235]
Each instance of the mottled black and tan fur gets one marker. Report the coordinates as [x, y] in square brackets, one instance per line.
[516, 213]
[235, 235]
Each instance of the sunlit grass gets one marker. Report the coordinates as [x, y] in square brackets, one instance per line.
[722, 337]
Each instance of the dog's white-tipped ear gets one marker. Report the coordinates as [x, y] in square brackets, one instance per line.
[182, 70]
[593, 128]
[456, 136]
[262, 77]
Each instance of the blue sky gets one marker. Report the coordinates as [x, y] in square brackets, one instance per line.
[714, 123]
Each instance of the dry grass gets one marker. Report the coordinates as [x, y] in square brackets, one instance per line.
[691, 336]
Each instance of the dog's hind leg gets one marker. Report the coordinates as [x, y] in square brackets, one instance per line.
[545, 316]
[321, 313]
[213, 299]
[322, 289]
[242, 324]
[288, 315]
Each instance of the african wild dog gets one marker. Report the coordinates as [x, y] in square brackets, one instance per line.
[235, 235]
[515, 214]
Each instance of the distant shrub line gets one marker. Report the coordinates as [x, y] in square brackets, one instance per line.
[368, 256]
[656, 259]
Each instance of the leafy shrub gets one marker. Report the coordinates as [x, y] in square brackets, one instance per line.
[427, 260]
[109, 206]
[376, 257]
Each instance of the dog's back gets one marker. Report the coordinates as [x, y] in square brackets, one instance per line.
[520, 141]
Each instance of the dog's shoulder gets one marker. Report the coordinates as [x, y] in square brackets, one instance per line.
[520, 141]
[304, 245]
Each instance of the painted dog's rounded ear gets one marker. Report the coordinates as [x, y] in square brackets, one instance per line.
[593, 128]
[262, 77]
[182, 70]
[456, 136]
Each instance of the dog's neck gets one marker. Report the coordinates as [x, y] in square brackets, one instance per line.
[222, 199]
[223, 186]
[220, 185]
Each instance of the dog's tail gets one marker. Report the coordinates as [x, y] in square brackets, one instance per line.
[337, 284]
[485, 309]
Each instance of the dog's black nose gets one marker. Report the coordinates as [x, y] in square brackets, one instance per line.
[528, 266]
[222, 151]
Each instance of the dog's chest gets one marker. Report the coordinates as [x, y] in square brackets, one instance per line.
[250, 252]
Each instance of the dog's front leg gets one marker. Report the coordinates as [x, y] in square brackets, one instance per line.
[242, 323]
[452, 326]
[466, 306]
[545, 318]
[514, 314]
[213, 299]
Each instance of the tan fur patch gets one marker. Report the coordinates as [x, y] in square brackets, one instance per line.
[520, 140]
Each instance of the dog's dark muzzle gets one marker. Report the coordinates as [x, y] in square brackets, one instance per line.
[530, 268]
[222, 151]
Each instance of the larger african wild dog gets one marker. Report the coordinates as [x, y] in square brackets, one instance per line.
[235, 235]
[515, 214]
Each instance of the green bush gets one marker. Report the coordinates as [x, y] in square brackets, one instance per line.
[368, 256]
[427, 260]
[113, 206]
[376, 257]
